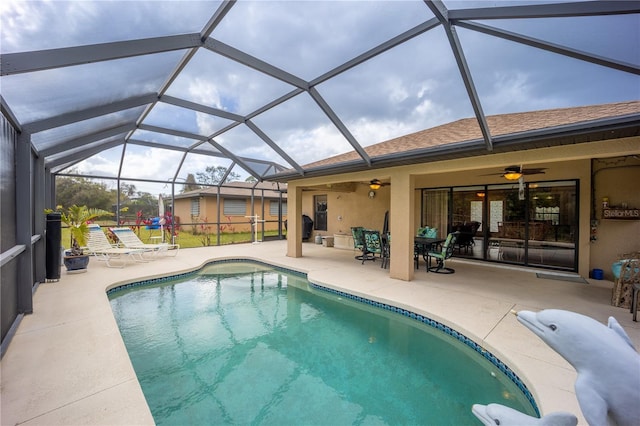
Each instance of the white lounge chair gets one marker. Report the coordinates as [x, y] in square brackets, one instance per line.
[98, 245]
[129, 239]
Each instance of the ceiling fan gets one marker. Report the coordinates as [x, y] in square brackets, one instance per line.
[376, 184]
[516, 172]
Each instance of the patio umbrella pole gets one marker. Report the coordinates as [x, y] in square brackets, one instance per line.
[254, 222]
[161, 215]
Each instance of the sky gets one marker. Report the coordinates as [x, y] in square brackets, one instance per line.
[412, 87]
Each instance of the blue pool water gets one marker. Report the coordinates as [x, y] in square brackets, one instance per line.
[243, 343]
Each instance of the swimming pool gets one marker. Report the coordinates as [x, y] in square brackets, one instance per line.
[246, 343]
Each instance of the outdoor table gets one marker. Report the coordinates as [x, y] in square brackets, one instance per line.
[424, 245]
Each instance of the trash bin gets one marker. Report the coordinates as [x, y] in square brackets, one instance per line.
[597, 274]
[307, 227]
[53, 236]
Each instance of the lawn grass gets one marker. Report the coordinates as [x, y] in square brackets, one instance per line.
[185, 238]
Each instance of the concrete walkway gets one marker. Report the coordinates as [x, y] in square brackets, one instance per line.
[67, 364]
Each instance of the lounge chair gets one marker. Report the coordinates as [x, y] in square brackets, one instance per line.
[442, 256]
[129, 239]
[98, 245]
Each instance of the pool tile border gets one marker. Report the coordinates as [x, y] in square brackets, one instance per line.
[446, 329]
[409, 314]
[159, 280]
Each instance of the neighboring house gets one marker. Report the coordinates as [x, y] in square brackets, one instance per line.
[230, 205]
[445, 177]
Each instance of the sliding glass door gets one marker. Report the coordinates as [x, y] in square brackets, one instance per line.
[532, 224]
[435, 210]
[507, 223]
[467, 218]
[553, 224]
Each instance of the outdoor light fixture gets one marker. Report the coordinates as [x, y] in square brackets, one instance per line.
[512, 173]
[375, 184]
[480, 194]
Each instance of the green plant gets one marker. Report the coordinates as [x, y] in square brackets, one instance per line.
[77, 219]
[204, 232]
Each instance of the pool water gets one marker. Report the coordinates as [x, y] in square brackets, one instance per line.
[244, 343]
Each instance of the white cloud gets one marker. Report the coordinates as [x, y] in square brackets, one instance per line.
[204, 92]
[514, 91]
[406, 89]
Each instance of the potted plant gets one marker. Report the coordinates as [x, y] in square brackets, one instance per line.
[77, 219]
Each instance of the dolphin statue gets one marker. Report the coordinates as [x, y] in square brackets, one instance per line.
[608, 366]
[497, 414]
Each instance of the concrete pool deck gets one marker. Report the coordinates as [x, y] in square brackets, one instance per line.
[67, 364]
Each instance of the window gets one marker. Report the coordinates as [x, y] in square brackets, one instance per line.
[233, 207]
[273, 208]
[320, 219]
[195, 207]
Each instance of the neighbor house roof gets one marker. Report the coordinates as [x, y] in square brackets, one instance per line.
[239, 190]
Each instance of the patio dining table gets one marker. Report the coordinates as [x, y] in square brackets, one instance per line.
[424, 245]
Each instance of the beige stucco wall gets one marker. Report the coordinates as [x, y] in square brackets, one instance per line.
[209, 212]
[347, 209]
[618, 179]
[563, 162]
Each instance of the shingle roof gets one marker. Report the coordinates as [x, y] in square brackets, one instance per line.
[239, 190]
[467, 129]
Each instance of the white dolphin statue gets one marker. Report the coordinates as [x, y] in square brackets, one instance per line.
[608, 366]
[500, 415]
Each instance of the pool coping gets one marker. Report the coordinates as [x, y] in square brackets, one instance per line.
[67, 363]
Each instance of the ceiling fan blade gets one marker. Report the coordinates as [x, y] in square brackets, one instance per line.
[518, 169]
[533, 171]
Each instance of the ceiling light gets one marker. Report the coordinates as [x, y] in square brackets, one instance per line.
[512, 173]
[375, 184]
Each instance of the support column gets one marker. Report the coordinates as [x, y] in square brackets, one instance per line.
[402, 216]
[294, 221]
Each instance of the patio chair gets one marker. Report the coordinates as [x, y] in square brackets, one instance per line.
[386, 249]
[465, 238]
[129, 239]
[358, 242]
[442, 256]
[98, 245]
[373, 245]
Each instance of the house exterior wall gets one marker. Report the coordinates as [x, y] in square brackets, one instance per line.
[347, 209]
[229, 223]
[570, 162]
[618, 179]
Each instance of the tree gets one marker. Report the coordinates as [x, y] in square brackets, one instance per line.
[190, 184]
[251, 179]
[213, 175]
[128, 189]
[83, 192]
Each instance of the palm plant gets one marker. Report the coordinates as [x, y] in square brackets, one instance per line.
[77, 218]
